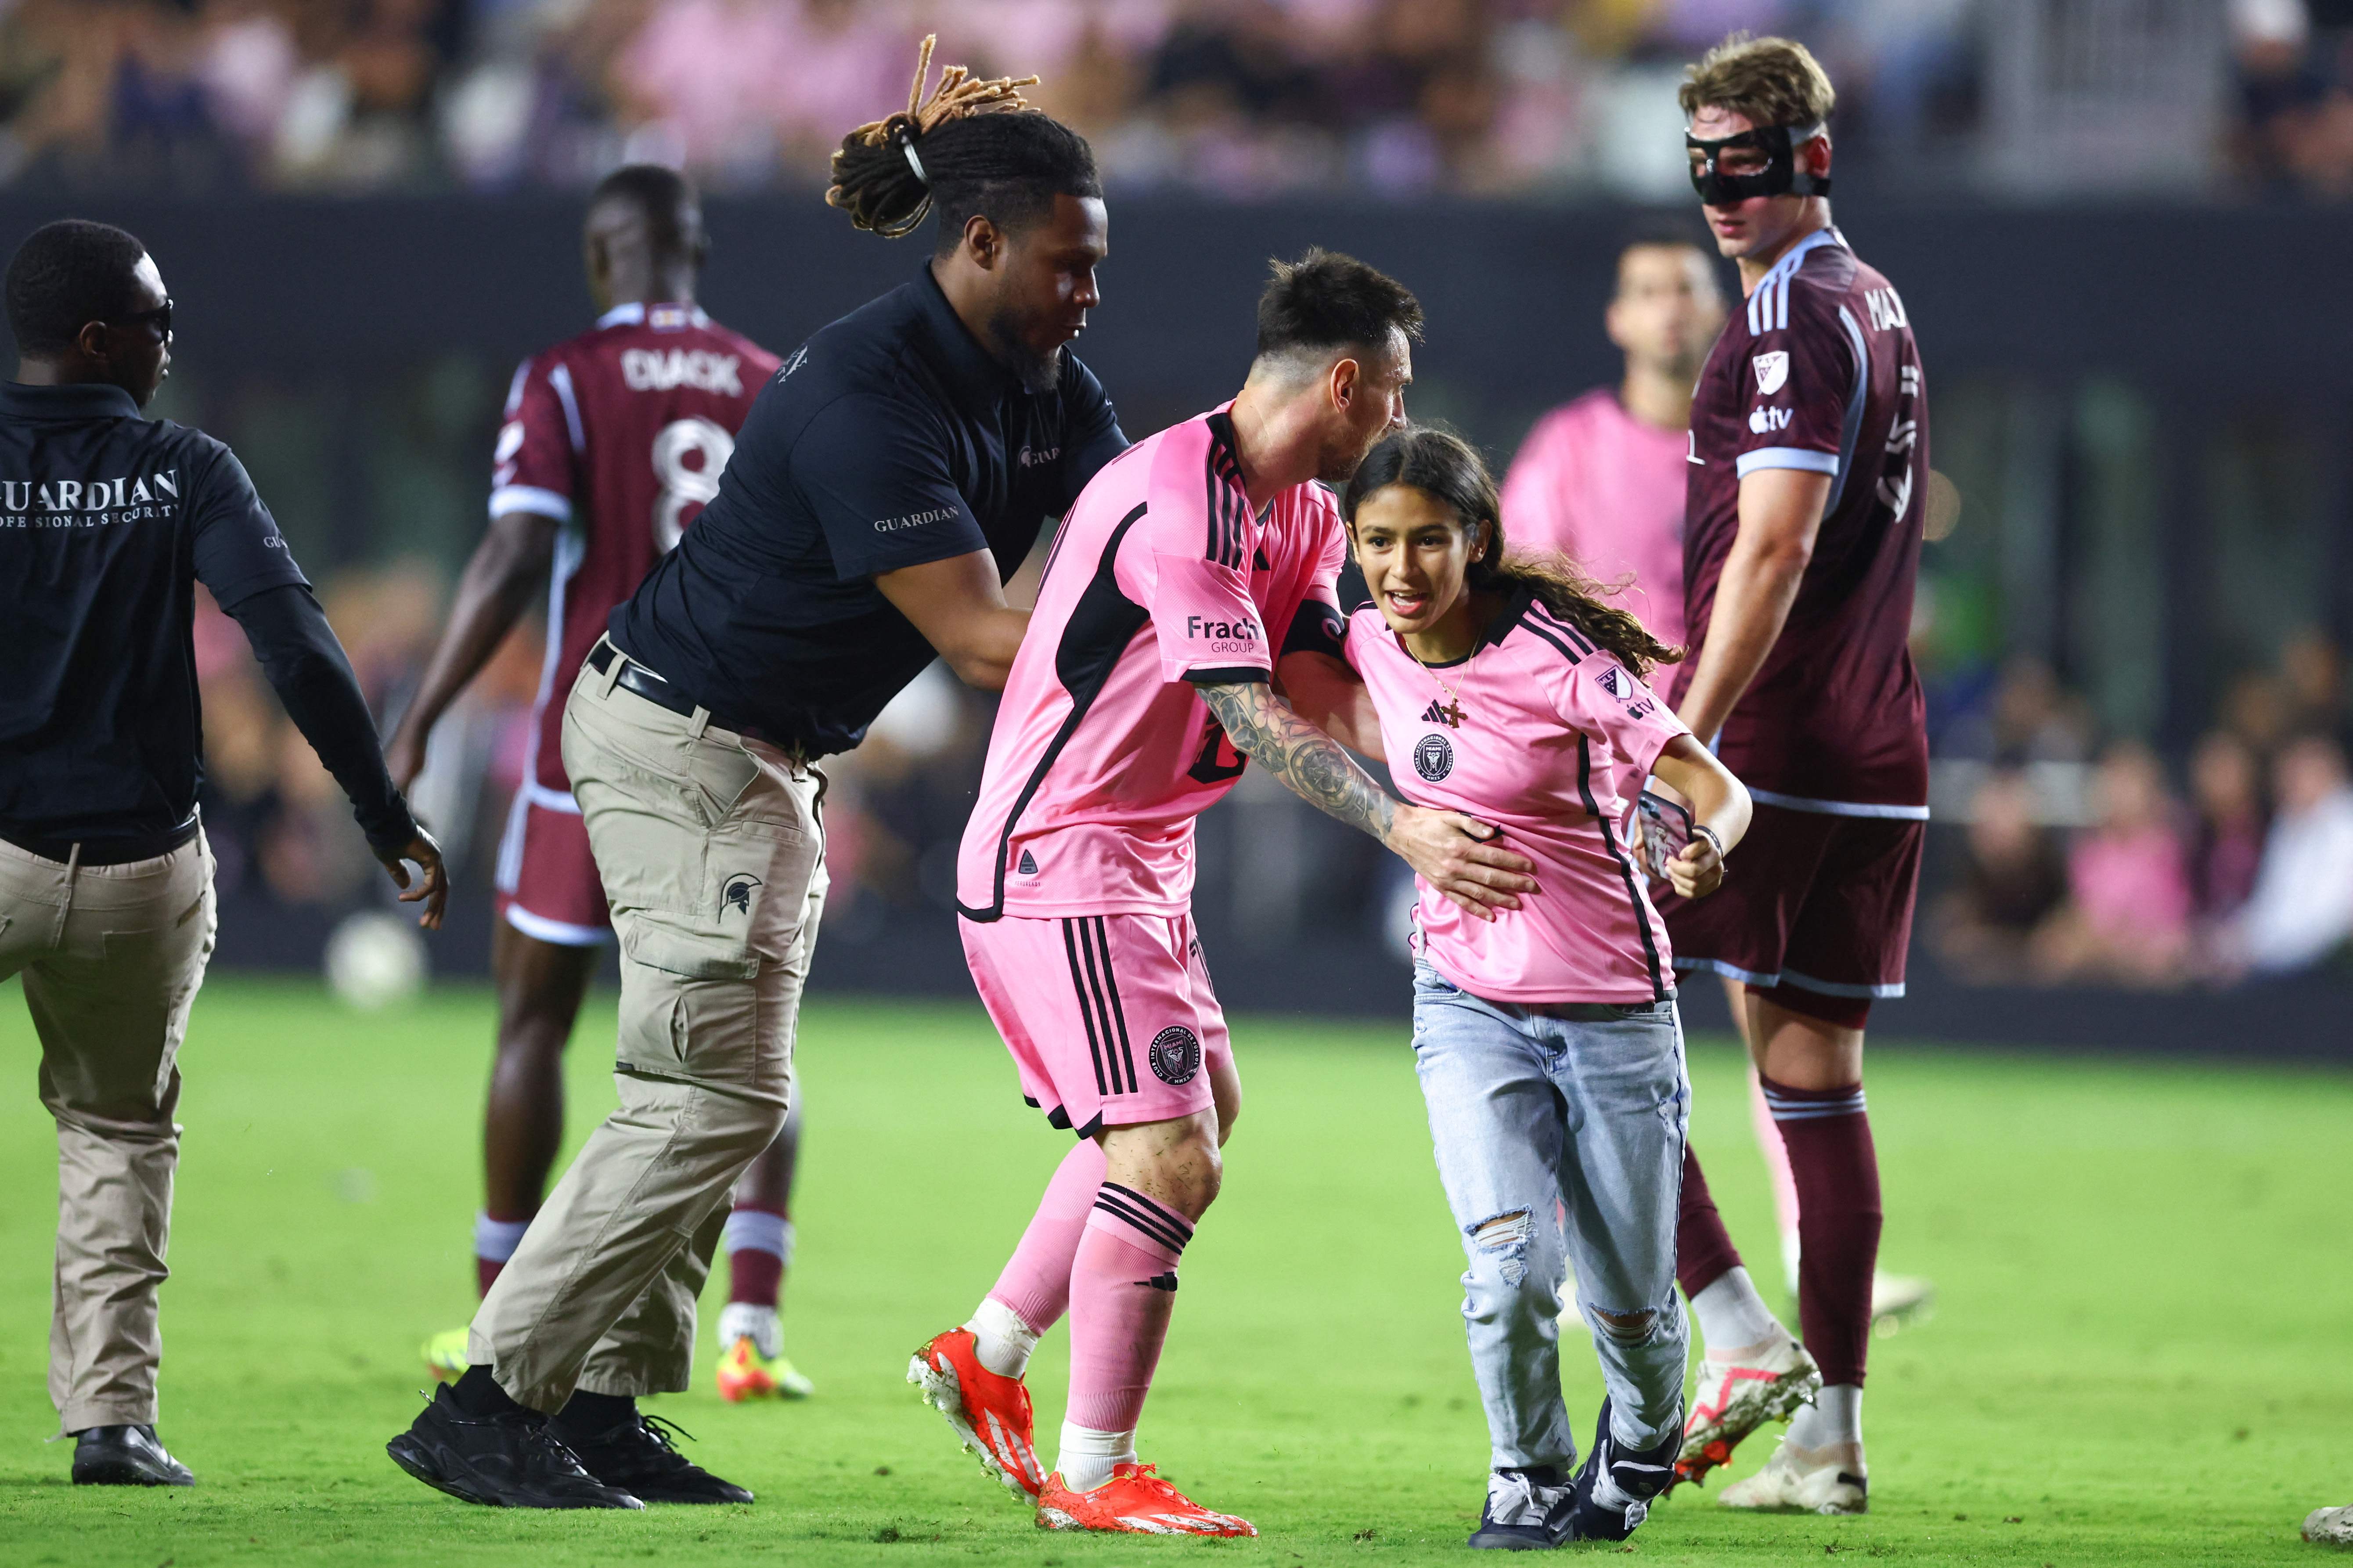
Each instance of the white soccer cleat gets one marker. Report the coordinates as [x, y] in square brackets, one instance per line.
[1900, 1302]
[1806, 1480]
[1732, 1400]
[2329, 1527]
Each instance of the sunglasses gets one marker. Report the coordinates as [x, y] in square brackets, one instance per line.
[159, 318]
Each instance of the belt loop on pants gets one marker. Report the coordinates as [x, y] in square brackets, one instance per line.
[697, 721]
[64, 905]
[612, 671]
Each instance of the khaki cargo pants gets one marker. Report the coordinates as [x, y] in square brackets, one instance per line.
[112, 957]
[714, 864]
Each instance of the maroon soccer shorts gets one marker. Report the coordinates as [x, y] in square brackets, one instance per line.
[547, 884]
[1109, 1019]
[1815, 909]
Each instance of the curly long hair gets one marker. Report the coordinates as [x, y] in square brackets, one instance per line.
[1447, 467]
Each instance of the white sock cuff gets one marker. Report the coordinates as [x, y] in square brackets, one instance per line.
[495, 1240]
[1002, 1337]
[758, 1230]
[1731, 1315]
[1087, 1456]
[1835, 1416]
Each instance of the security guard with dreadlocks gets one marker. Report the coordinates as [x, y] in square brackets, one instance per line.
[892, 475]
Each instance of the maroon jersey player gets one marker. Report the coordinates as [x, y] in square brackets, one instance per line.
[611, 444]
[1807, 480]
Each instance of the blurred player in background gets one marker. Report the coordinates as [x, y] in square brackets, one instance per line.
[1809, 454]
[890, 479]
[1601, 481]
[1547, 1040]
[1199, 564]
[613, 442]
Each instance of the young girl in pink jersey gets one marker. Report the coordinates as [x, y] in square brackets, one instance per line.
[1546, 1039]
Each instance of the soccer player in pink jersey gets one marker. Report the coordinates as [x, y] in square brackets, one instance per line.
[1809, 452]
[613, 441]
[1546, 1038]
[1196, 569]
[1601, 481]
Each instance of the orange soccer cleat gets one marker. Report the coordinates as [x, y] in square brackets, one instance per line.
[990, 1413]
[1732, 1400]
[1135, 1502]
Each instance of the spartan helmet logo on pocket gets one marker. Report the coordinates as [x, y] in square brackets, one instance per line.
[737, 894]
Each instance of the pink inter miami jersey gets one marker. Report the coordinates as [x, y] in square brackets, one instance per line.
[1104, 754]
[1606, 489]
[619, 435]
[1548, 738]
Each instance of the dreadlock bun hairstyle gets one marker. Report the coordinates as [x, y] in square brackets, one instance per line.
[1446, 466]
[970, 146]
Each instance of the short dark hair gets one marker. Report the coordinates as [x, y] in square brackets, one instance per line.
[66, 275]
[1665, 231]
[1326, 301]
[971, 147]
[659, 192]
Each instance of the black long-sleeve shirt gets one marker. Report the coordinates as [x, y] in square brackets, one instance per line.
[108, 522]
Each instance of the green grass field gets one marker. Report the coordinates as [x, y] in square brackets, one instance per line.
[2140, 1354]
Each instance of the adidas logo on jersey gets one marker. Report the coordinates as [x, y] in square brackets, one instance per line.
[1447, 713]
[1028, 864]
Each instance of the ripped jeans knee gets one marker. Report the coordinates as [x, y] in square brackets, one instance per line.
[1512, 1270]
[1626, 1328]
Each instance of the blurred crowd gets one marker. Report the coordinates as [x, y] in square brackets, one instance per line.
[2095, 864]
[1239, 98]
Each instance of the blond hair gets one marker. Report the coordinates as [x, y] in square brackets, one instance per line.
[1767, 81]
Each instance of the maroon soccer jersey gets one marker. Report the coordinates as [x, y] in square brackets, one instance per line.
[1819, 373]
[619, 435]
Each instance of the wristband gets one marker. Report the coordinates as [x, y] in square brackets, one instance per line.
[1701, 828]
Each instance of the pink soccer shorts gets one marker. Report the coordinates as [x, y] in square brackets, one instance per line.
[1111, 1018]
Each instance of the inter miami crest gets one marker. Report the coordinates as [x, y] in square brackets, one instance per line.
[1176, 1054]
[737, 894]
[1434, 758]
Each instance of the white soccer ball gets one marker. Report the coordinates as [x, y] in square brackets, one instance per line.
[376, 959]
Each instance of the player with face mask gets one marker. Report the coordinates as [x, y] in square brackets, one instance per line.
[1808, 461]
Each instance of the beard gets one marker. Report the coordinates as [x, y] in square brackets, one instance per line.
[1037, 373]
[1340, 460]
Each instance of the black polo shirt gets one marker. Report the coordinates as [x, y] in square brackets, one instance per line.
[890, 439]
[108, 522]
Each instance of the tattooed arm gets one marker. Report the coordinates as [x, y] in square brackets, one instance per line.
[1453, 852]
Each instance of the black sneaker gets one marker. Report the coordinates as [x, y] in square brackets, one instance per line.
[1527, 1511]
[125, 1456]
[1640, 1474]
[641, 1457]
[508, 1460]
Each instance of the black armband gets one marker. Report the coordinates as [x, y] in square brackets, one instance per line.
[1318, 627]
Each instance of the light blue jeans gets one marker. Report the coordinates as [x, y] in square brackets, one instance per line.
[1559, 1134]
